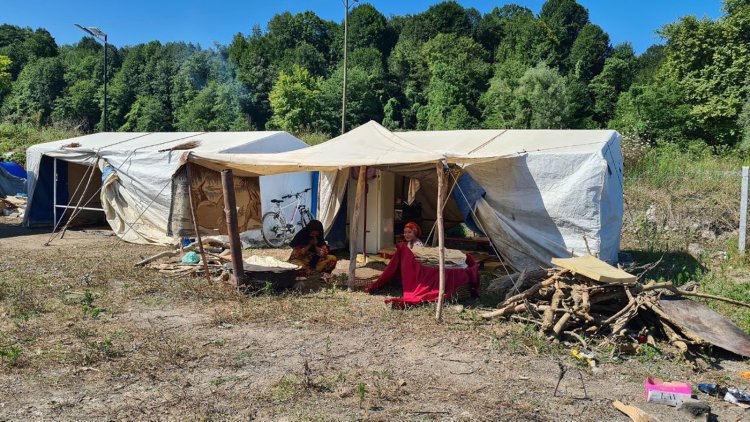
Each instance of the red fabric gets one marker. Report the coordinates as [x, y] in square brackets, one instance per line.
[422, 283]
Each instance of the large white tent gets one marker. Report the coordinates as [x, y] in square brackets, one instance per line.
[129, 176]
[547, 193]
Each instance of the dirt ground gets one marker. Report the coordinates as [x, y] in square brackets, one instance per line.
[97, 339]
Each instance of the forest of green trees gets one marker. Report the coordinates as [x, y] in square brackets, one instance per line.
[448, 67]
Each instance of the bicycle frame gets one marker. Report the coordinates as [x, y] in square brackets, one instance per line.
[299, 200]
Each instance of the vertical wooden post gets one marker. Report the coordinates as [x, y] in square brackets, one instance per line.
[230, 210]
[743, 211]
[441, 238]
[353, 225]
[194, 215]
[364, 222]
[54, 194]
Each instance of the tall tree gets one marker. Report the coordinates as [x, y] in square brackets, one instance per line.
[615, 78]
[33, 94]
[523, 36]
[458, 75]
[5, 76]
[295, 100]
[535, 101]
[710, 60]
[23, 45]
[564, 20]
[253, 60]
[588, 52]
[655, 113]
[364, 101]
[368, 28]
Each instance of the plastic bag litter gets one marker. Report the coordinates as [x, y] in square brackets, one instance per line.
[191, 258]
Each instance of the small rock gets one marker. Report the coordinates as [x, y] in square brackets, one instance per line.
[708, 234]
[345, 392]
[401, 382]
[695, 250]
[694, 410]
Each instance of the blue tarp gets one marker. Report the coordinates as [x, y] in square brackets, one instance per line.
[108, 169]
[11, 184]
[466, 194]
[14, 168]
[314, 202]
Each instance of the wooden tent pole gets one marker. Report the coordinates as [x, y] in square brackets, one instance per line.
[194, 215]
[230, 209]
[353, 225]
[441, 238]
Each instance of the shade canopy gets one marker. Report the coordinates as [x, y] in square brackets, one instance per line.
[373, 145]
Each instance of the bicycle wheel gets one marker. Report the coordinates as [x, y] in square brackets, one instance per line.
[274, 229]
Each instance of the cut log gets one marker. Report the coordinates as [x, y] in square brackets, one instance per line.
[549, 314]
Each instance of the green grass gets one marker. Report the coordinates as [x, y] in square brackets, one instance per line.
[313, 138]
[16, 138]
[693, 193]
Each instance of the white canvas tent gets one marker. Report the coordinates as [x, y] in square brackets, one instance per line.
[548, 192]
[132, 177]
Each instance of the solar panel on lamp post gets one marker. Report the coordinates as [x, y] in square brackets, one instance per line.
[99, 35]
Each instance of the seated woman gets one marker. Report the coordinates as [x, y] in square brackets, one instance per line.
[421, 282]
[412, 232]
[310, 250]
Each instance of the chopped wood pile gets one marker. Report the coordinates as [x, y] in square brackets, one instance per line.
[567, 303]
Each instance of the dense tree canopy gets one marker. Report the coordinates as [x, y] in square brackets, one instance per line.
[447, 67]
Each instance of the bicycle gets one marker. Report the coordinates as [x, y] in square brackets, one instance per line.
[276, 229]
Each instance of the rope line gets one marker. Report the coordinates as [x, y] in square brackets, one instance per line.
[130, 227]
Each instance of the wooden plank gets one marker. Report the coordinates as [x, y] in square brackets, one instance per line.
[634, 413]
[707, 324]
[595, 269]
[354, 223]
[441, 238]
[230, 208]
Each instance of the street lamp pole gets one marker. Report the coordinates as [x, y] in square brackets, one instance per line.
[99, 35]
[346, 35]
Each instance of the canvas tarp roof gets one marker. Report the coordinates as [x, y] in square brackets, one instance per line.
[549, 193]
[373, 145]
[138, 169]
[368, 145]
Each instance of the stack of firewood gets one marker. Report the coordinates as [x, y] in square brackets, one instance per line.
[569, 304]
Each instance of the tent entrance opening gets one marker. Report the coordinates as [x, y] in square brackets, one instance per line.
[83, 193]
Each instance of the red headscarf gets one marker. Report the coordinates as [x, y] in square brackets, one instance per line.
[415, 228]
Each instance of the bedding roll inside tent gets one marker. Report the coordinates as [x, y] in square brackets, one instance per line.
[536, 194]
[126, 180]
